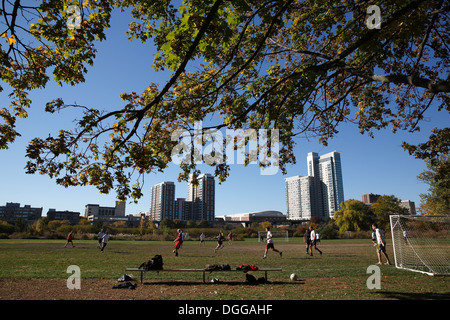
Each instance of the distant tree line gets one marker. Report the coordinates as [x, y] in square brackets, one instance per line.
[354, 219]
[355, 215]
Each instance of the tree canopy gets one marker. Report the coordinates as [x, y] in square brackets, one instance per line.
[353, 215]
[385, 206]
[302, 67]
[437, 176]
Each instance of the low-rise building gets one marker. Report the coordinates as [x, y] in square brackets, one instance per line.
[249, 217]
[13, 211]
[71, 216]
[96, 212]
[409, 205]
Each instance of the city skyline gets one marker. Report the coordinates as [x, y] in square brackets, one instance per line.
[183, 186]
[376, 165]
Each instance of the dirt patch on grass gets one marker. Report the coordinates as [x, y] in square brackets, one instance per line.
[102, 289]
[170, 289]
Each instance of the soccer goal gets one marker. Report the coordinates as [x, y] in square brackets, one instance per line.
[277, 235]
[421, 243]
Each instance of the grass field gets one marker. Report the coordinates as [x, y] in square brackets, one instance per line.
[36, 269]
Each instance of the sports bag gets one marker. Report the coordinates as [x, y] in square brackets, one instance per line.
[156, 263]
[213, 267]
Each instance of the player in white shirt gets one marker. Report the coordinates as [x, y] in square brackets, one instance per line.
[381, 244]
[105, 240]
[313, 241]
[269, 244]
[202, 238]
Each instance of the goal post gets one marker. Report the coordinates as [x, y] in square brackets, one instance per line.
[277, 235]
[421, 243]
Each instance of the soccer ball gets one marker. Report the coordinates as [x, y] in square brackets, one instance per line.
[293, 277]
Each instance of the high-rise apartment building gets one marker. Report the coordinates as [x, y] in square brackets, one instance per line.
[183, 210]
[318, 194]
[163, 201]
[299, 197]
[201, 192]
[331, 183]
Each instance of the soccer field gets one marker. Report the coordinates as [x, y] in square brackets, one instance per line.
[37, 269]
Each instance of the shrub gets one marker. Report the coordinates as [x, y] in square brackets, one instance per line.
[328, 232]
[6, 228]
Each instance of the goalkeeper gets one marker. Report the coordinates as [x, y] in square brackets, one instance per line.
[381, 243]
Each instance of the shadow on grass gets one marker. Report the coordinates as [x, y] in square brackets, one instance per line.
[414, 295]
[220, 282]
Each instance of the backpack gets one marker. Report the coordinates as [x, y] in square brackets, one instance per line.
[250, 279]
[156, 263]
[244, 267]
[226, 266]
[213, 267]
[247, 267]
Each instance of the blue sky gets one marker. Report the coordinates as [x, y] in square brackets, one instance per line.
[376, 165]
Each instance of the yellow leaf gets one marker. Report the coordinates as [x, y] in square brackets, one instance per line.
[11, 40]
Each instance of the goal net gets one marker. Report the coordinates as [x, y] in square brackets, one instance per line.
[421, 243]
[277, 235]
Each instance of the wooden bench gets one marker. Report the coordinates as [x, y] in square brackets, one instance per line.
[142, 271]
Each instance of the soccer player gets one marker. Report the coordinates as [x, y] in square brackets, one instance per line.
[269, 244]
[202, 238]
[105, 240]
[381, 244]
[69, 239]
[307, 237]
[220, 239]
[230, 238]
[100, 238]
[178, 242]
[313, 241]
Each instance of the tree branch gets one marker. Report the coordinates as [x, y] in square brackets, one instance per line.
[178, 72]
[435, 86]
